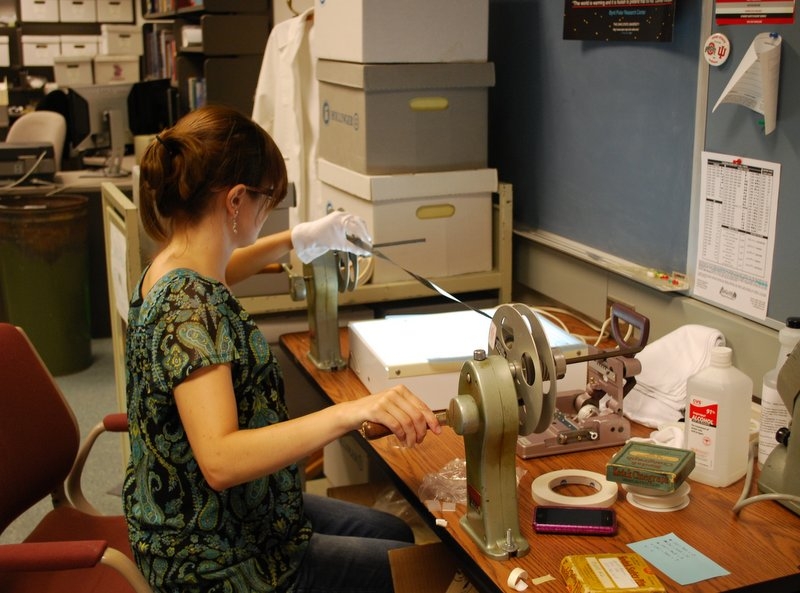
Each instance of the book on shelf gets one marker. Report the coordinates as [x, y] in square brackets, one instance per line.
[160, 53]
[196, 89]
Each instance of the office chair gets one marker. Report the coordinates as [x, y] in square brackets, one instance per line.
[74, 547]
[41, 126]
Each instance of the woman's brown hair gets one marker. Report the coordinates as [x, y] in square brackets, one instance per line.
[208, 150]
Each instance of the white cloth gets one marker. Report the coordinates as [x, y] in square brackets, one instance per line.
[668, 435]
[286, 105]
[659, 395]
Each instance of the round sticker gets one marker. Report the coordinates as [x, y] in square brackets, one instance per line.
[716, 49]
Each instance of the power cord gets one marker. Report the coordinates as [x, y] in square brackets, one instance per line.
[744, 500]
[543, 311]
[602, 331]
[30, 172]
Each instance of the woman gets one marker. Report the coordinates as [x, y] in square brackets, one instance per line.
[212, 494]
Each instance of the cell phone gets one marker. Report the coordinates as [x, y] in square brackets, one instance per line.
[574, 520]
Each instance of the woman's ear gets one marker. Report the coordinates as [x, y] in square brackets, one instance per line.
[235, 196]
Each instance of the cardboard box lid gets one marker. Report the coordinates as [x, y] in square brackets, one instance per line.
[116, 58]
[72, 60]
[40, 39]
[397, 77]
[80, 39]
[106, 28]
[416, 345]
[377, 188]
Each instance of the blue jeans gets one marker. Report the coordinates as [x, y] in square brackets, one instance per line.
[348, 552]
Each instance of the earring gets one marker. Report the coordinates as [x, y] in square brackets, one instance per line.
[235, 221]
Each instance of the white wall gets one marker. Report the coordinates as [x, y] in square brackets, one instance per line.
[586, 289]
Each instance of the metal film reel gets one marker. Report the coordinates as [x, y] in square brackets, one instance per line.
[517, 336]
[347, 268]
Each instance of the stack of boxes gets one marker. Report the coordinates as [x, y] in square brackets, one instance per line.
[403, 139]
[113, 56]
[120, 50]
[73, 66]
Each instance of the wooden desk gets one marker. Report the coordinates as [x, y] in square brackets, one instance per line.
[761, 545]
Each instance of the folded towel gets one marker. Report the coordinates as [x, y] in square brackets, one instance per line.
[659, 395]
[669, 435]
[649, 411]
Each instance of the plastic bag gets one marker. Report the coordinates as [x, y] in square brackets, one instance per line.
[391, 501]
[449, 484]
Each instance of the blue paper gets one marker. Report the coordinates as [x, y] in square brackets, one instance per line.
[677, 559]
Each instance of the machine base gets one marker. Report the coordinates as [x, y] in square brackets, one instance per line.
[568, 433]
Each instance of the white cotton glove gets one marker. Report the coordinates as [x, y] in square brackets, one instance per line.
[329, 233]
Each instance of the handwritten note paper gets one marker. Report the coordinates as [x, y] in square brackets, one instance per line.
[677, 559]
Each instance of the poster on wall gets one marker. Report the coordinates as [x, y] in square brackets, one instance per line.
[738, 214]
[619, 20]
[765, 12]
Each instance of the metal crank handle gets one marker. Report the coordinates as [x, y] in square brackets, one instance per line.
[620, 312]
[637, 320]
[373, 430]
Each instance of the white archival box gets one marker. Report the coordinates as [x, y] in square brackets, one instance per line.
[426, 352]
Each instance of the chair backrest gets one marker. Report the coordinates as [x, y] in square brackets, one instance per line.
[124, 263]
[41, 126]
[39, 436]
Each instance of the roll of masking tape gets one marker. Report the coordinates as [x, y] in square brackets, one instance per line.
[661, 502]
[516, 579]
[543, 493]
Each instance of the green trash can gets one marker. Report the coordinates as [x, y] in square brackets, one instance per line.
[44, 275]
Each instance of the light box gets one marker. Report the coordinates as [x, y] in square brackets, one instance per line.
[426, 352]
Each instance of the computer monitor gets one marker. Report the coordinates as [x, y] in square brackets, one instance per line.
[99, 121]
[152, 105]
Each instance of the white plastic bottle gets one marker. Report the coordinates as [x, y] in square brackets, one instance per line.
[718, 420]
[774, 414]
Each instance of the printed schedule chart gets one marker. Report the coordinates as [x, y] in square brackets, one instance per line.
[738, 210]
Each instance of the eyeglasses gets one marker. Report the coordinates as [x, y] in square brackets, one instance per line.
[269, 193]
[260, 192]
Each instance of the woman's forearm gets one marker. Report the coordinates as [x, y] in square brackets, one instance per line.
[250, 260]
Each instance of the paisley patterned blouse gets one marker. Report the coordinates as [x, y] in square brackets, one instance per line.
[185, 536]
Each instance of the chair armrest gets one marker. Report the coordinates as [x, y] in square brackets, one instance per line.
[115, 422]
[51, 555]
[70, 555]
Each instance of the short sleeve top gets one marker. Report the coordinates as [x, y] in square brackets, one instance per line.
[185, 535]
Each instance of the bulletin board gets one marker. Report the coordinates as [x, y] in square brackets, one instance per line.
[737, 131]
[597, 138]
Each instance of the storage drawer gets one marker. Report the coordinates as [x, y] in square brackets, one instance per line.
[115, 11]
[33, 11]
[116, 69]
[78, 11]
[73, 70]
[39, 50]
[79, 45]
[118, 40]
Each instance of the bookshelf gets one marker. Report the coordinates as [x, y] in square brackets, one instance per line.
[212, 51]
